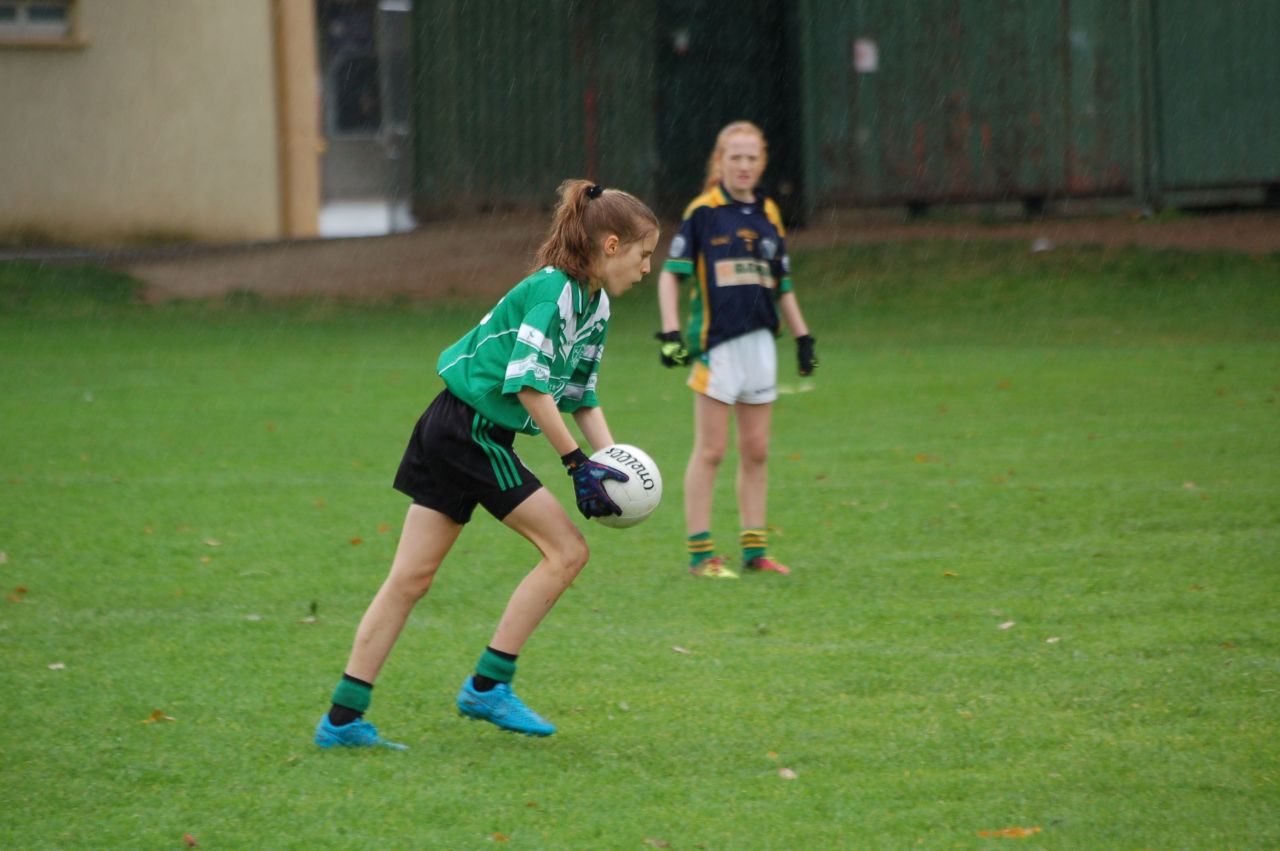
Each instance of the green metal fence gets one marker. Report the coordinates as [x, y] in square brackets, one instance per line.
[513, 97]
[946, 100]
[865, 101]
[1213, 80]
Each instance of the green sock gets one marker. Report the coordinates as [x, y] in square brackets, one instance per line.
[701, 548]
[493, 667]
[351, 699]
[754, 543]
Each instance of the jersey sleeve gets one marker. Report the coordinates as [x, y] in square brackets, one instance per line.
[781, 267]
[779, 261]
[533, 351]
[580, 390]
[684, 249]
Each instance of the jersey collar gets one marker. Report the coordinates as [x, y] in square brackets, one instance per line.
[583, 298]
[729, 200]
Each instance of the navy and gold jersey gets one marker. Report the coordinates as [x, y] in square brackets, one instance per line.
[737, 255]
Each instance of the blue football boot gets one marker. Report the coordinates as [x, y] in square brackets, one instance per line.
[358, 734]
[500, 706]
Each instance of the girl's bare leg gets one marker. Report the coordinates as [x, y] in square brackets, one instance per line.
[711, 437]
[426, 539]
[753, 467]
[541, 520]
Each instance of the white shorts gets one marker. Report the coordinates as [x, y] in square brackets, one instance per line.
[744, 369]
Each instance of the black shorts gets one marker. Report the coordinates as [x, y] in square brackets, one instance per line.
[457, 459]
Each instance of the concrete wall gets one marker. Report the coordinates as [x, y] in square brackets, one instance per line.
[164, 121]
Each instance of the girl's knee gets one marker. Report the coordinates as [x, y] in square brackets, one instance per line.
[709, 456]
[412, 583]
[755, 452]
[571, 556]
[578, 555]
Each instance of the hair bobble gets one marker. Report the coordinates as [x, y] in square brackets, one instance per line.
[595, 192]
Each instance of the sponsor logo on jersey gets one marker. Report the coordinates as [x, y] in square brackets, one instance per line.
[743, 272]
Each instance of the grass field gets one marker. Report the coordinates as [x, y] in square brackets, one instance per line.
[1032, 503]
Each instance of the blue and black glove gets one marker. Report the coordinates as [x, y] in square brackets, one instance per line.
[673, 352]
[588, 484]
[808, 360]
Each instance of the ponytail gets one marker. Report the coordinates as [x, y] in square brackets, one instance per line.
[586, 214]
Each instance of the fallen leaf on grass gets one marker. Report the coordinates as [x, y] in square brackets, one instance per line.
[1008, 625]
[4, 557]
[157, 715]
[58, 666]
[1010, 833]
[17, 595]
[1053, 639]
[357, 541]
[950, 574]
[679, 649]
[384, 528]
[657, 843]
[787, 774]
[190, 840]
[213, 542]
[501, 837]
[925, 458]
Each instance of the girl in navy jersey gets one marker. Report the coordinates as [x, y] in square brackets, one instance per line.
[732, 246]
[532, 358]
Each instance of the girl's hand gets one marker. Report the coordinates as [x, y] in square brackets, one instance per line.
[673, 351]
[807, 358]
[588, 484]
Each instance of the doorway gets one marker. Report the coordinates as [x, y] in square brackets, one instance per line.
[721, 61]
[365, 68]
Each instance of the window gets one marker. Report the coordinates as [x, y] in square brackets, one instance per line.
[38, 22]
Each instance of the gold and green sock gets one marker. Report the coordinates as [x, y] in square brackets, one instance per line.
[754, 543]
[701, 548]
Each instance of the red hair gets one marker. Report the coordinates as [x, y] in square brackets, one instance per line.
[715, 170]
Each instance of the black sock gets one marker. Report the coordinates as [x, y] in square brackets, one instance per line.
[339, 715]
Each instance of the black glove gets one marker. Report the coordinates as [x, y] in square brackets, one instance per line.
[805, 354]
[673, 352]
[588, 484]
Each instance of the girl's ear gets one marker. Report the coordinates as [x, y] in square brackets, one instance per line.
[611, 243]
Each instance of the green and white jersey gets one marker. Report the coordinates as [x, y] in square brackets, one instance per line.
[547, 333]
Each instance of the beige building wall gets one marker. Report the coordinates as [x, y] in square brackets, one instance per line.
[169, 119]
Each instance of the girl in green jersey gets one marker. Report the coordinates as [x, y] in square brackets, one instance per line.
[533, 358]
